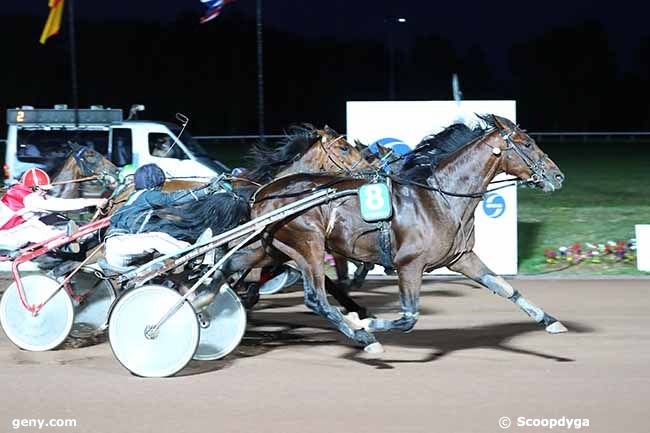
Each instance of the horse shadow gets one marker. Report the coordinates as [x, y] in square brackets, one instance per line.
[268, 332]
[443, 342]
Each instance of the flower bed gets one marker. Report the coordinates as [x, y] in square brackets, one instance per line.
[611, 252]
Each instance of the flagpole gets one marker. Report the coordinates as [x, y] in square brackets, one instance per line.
[260, 72]
[73, 61]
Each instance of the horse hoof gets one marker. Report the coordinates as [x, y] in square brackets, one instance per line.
[556, 328]
[374, 348]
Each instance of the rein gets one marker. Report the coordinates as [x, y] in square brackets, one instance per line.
[479, 194]
[299, 193]
[83, 179]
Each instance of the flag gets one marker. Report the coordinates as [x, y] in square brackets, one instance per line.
[214, 9]
[53, 23]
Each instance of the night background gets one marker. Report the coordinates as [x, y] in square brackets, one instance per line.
[579, 72]
[571, 66]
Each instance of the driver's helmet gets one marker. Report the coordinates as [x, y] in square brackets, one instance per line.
[149, 176]
[127, 170]
[35, 177]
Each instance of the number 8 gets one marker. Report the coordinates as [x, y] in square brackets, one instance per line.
[374, 198]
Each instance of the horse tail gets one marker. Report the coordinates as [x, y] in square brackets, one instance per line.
[220, 212]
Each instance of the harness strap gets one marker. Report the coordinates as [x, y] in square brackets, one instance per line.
[386, 247]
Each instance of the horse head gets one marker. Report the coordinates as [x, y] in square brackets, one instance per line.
[337, 154]
[521, 157]
[92, 163]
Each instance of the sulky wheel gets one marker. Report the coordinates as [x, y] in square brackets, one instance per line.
[45, 330]
[287, 278]
[167, 352]
[92, 300]
[223, 324]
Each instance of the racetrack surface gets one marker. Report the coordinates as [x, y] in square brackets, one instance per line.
[472, 359]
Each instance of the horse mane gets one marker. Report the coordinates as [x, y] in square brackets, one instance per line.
[267, 161]
[434, 149]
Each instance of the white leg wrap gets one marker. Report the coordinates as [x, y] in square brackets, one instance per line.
[536, 313]
[498, 285]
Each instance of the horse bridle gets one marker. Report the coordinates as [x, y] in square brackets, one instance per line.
[88, 169]
[537, 168]
[328, 152]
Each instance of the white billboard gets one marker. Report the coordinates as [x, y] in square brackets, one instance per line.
[409, 122]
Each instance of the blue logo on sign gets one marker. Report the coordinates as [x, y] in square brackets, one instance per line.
[494, 205]
[397, 145]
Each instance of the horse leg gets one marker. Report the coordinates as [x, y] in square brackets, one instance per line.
[242, 260]
[472, 267]
[310, 262]
[340, 290]
[344, 299]
[410, 281]
[342, 276]
[361, 273]
[342, 272]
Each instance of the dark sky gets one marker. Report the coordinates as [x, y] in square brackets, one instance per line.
[493, 25]
[548, 55]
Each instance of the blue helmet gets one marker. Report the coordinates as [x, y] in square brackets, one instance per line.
[149, 176]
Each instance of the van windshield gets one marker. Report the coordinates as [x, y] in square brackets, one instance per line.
[191, 143]
[38, 145]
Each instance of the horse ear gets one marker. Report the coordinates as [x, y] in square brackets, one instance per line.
[502, 122]
[330, 131]
[359, 144]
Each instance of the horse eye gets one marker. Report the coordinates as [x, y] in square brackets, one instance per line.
[345, 148]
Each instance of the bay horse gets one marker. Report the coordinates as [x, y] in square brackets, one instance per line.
[434, 197]
[82, 162]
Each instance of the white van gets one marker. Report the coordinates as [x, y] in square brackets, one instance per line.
[37, 138]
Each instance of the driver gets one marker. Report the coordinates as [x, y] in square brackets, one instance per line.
[26, 209]
[136, 230]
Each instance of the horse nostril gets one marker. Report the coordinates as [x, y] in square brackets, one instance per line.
[559, 178]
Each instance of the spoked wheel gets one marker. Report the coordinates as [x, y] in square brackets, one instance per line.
[49, 327]
[223, 324]
[92, 300]
[166, 353]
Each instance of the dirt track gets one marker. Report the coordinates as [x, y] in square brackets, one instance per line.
[472, 359]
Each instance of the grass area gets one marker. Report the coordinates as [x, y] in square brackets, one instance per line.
[606, 192]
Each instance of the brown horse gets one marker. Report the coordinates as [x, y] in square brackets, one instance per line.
[432, 224]
[83, 162]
